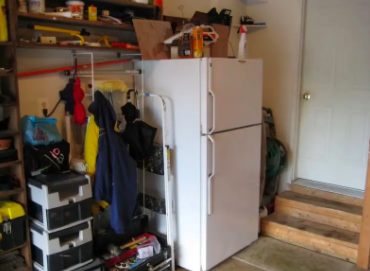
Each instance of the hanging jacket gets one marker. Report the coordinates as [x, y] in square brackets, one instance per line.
[91, 146]
[115, 175]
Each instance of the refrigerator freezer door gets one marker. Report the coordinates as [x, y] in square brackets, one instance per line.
[230, 193]
[231, 94]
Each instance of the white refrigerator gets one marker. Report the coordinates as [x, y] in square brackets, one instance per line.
[214, 131]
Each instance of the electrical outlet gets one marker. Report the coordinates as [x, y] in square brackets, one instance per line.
[41, 105]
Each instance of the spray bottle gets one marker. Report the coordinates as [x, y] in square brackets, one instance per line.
[3, 22]
[198, 47]
[242, 56]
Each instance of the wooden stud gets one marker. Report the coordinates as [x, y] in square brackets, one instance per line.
[10, 59]
[364, 247]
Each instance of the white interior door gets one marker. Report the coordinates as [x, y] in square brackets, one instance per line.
[334, 127]
[230, 190]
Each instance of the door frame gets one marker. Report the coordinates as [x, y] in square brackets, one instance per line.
[296, 106]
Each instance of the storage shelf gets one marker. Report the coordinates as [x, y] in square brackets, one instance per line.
[9, 164]
[8, 105]
[63, 20]
[6, 74]
[126, 3]
[77, 48]
[13, 249]
[5, 43]
[16, 191]
[7, 133]
[251, 26]
[23, 269]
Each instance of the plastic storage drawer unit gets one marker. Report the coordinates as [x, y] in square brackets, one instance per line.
[12, 225]
[64, 250]
[59, 201]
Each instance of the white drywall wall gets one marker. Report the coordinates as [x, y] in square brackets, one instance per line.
[279, 46]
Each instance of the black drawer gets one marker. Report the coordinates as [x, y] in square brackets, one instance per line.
[164, 257]
[138, 227]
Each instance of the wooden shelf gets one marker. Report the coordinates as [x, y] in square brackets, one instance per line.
[7, 133]
[251, 26]
[13, 249]
[125, 3]
[4, 194]
[8, 105]
[9, 164]
[23, 269]
[63, 20]
[5, 74]
[77, 48]
[5, 43]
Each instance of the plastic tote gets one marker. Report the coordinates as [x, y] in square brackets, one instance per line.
[40, 131]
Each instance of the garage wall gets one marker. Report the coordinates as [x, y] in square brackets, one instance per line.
[279, 46]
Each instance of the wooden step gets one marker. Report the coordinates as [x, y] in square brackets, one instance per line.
[326, 195]
[328, 212]
[318, 237]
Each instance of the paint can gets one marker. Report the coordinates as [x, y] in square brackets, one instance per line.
[77, 9]
[36, 6]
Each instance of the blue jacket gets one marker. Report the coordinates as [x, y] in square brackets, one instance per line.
[115, 176]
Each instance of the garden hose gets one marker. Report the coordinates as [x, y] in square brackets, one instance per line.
[276, 159]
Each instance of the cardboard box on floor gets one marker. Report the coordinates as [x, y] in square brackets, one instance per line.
[152, 34]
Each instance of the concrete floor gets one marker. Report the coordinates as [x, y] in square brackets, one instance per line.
[268, 254]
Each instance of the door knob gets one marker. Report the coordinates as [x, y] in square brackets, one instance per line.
[306, 96]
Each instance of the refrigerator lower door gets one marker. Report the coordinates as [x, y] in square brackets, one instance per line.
[230, 193]
[231, 94]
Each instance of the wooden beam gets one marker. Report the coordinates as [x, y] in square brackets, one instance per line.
[349, 225]
[313, 236]
[320, 206]
[364, 247]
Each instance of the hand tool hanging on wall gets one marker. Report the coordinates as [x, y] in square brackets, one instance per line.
[73, 33]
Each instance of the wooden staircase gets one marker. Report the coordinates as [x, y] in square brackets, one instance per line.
[322, 221]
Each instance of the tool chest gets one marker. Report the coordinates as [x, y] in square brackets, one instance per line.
[63, 250]
[59, 201]
[12, 225]
[161, 261]
[139, 226]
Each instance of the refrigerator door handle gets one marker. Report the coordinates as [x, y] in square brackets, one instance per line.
[213, 111]
[209, 198]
